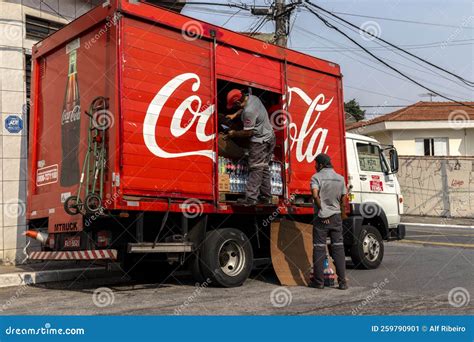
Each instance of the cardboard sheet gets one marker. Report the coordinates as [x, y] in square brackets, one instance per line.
[292, 252]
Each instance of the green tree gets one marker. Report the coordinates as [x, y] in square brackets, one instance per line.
[352, 107]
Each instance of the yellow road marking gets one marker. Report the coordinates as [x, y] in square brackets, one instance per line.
[447, 244]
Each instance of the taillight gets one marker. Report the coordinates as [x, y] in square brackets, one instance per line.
[104, 238]
[400, 199]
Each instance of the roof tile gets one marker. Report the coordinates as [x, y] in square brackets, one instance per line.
[424, 111]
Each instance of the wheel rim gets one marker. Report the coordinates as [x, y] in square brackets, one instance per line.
[93, 203]
[371, 247]
[231, 258]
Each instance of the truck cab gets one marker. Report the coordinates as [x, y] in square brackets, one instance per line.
[375, 200]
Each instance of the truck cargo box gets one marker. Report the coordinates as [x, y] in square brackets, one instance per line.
[159, 80]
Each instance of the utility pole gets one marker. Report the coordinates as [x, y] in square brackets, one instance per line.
[281, 23]
[280, 12]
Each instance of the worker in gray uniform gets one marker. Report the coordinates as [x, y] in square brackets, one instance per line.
[258, 129]
[329, 190]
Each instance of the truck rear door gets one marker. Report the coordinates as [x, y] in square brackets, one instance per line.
[66, 81]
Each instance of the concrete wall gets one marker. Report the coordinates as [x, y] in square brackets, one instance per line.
[438, 186]
[461, 142]
[13, 146]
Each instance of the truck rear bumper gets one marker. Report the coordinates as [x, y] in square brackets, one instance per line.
[105, 254]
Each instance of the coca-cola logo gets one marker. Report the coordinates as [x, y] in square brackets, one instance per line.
[193, 105]
[71, 115]
[309, 129]
[299, 135]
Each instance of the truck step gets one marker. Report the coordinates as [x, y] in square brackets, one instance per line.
[230, 196]
[170, 247]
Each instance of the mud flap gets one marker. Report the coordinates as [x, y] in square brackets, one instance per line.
[292, 251]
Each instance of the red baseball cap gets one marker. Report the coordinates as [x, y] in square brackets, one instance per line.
[232, 97]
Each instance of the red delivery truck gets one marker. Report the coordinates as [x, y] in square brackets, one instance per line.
[127, 156]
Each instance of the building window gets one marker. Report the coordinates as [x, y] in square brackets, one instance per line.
[28, 76]
[38, 28]
[26, 106]
[431, 147]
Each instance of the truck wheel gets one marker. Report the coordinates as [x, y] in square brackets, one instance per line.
[226, 257]
[368, 252]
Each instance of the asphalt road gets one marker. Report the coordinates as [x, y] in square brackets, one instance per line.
[430, 273]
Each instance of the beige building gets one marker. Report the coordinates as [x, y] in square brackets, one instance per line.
[424, 129]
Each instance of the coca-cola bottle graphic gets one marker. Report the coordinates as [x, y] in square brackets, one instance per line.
[71, 126]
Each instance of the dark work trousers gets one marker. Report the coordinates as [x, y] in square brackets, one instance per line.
[259, 182]
[320, 233]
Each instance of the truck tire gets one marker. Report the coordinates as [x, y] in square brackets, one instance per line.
[367, 253]
[226, 257]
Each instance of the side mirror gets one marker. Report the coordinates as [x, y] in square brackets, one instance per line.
[394, 164]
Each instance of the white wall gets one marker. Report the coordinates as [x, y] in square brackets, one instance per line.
[437, 186]
[461, 142]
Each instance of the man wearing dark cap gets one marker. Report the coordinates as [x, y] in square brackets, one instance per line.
[258, 129]
[328, 189]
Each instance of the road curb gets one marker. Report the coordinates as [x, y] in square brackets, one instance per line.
[437, 225]
[46, 276]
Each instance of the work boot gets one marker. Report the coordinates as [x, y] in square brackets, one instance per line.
[246, 202]
[343, 285]
[316, 286]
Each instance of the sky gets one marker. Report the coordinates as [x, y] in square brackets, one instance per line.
[446, 39]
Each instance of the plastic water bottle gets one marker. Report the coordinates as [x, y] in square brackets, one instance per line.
[232, 183]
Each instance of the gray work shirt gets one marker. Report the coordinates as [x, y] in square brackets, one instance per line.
[331, 186]
[255, 117]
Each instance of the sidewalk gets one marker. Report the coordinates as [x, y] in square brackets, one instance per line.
[438, 221]
[43, 272]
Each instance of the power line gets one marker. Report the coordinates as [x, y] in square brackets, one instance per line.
[259, 24]
[381, 70]
[328, 24]
[292, 26]
[216, 12]
[356, 30]
[470, 83]
[241, 6]
[404, 20]
[377, 93]
[52, 9]
[381, 48]
[403, 106]
[230, 18]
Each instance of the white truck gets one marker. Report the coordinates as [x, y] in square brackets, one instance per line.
[375, 200]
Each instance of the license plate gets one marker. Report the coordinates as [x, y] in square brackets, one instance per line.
[72, 242]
